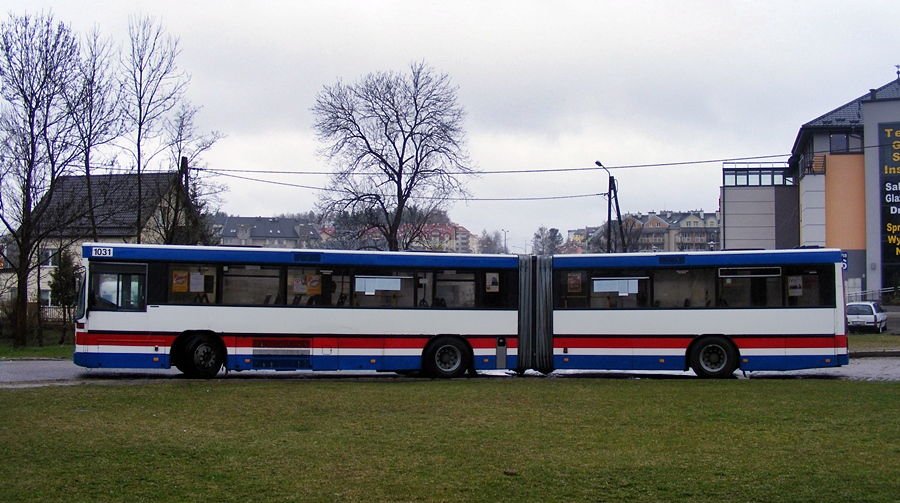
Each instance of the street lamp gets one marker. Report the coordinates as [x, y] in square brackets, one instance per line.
[505, 248]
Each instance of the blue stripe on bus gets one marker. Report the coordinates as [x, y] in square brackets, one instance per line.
[798, 362]
[238, 362]
[677, 363]
[121, 360]
[226, 255]
[592, 362]
[720, 259]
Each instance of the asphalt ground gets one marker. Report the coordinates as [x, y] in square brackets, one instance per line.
[49, 372]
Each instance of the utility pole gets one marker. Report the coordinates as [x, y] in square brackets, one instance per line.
[612, 194]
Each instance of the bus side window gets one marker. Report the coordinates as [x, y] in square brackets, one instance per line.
[191, 284]
[626, 292]
[684, 288]
[455, 289]
[809, 287]
[389, 290]
[249, 285]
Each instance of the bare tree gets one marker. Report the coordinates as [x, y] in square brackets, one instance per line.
[38, 58]
[185, 215]
[93, 104]
[153, 86]
[546, 241]
[394, 139]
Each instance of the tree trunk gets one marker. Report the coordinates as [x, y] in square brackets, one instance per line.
[20, 331]
[90, 195]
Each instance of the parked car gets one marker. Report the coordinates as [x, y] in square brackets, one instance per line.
[866, 316]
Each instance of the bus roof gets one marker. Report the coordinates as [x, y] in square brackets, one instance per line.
[742, 258]
[282, 256]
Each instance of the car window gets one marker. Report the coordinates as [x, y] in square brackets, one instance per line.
[878, 308]
[858, 309]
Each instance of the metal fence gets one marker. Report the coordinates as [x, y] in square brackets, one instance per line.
[56, 314]
[876, 295]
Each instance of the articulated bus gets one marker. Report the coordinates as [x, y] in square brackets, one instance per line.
[200, 309]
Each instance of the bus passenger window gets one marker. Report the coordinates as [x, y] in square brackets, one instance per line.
[309, 287]
[191, 284]
[809, 288]
[750, 287]
[453, 289]
[619, 293]
[684, 288]
[250, 285]
[570, 289]
[383, 291]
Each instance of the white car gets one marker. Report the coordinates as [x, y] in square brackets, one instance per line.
[866, 316]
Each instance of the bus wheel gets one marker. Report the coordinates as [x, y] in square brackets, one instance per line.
[713, 358]
[447, 357]
[203, 357]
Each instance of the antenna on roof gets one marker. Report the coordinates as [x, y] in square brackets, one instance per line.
[898, 71]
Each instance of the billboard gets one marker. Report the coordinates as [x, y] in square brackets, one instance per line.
[889, 158]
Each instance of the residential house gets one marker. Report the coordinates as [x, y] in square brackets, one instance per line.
[110, 214]
[671, 231]
[267, 232]
[665, 231]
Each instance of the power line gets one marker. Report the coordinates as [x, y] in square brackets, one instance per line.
[515, 171]
[231, 173]
[482, 199]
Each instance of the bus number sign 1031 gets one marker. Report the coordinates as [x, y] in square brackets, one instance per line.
[102, 252]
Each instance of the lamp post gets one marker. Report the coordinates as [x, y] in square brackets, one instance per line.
[505, 248]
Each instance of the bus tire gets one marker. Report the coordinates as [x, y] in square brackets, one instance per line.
[446, 358]
[203, 357]
[713, 358]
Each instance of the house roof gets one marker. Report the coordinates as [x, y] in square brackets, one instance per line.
[268, 228]
[845, 117]
[114, 198]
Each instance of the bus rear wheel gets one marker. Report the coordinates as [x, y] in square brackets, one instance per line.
[447, 357]
[203, 357]
[713, 358]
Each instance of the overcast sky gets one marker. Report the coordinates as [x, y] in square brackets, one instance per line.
[546, 85]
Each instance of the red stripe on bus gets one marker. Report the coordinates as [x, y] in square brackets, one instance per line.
[622, 342]
[99, 338]
[684, 342]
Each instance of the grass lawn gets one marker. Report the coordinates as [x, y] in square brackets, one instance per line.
[873, 342]
[517, 440]
[48, 351]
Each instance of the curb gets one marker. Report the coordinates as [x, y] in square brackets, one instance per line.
[875, 354]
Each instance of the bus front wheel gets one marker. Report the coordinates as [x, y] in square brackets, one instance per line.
[447, 357]
[713, 358]
[203, 357]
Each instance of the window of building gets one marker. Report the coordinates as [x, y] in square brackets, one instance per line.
[839, 143]
[49, 257]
